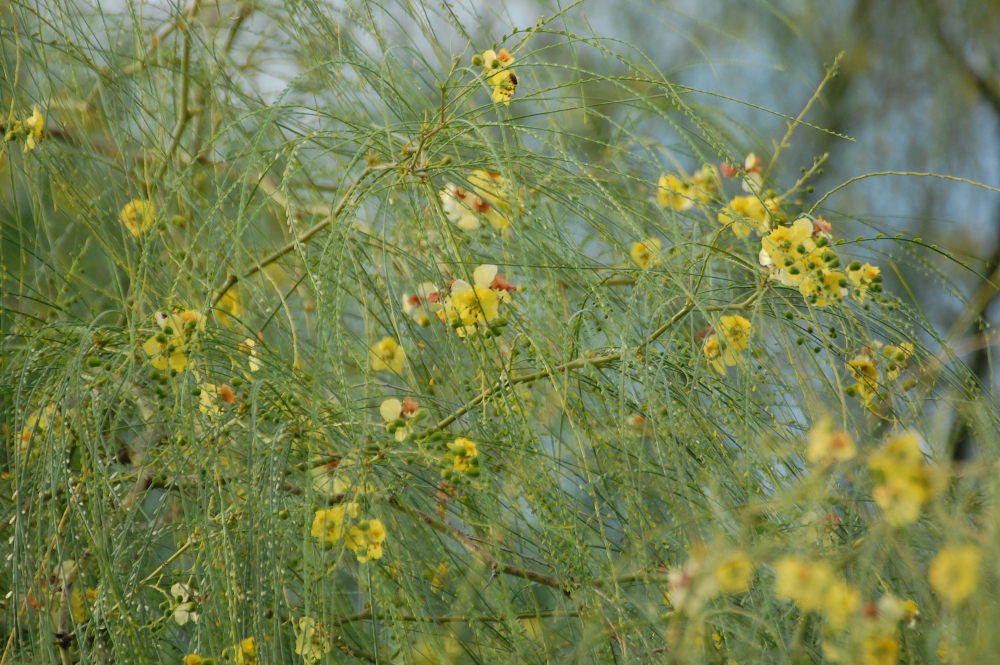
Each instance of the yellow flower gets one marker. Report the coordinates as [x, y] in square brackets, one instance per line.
[193, 659]
[705, 183]
[493, 189]
[787, 246]
[487, 199]
[137, 215]
[863, 277]
[827, 446]
[804, 263]
[954, 572]
[366, 540]
[865, 373]
[470, 305]
[34, 125]
[398, 416]
[673, 193]
[646, 253]
[168, 348]
[724, 348]
[464, 452]
[735, 329]
[328, 523]
[387, 354]
[742, 209]
[896, 356]
[186, 607]
[473, 304]
[245, 653]
[804, 581]
[376, 531]
[498, 72]
[734, 573]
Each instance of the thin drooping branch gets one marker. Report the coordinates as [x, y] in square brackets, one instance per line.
[368, 615]
[585, 360]
[334, 214]
[477, 550]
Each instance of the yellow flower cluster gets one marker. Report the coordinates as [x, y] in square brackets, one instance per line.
[328, 523]
[677, 194]
[168, 349]
[30, 129]
[865, 374]
[724, 347]
[864, 369]
[499, 74]
[488, 198]
[470, 307]
[364, 538]
[805, 261]
[904, 481]
[464, 456]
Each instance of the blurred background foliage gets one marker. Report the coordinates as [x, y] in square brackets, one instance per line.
[297, 150]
